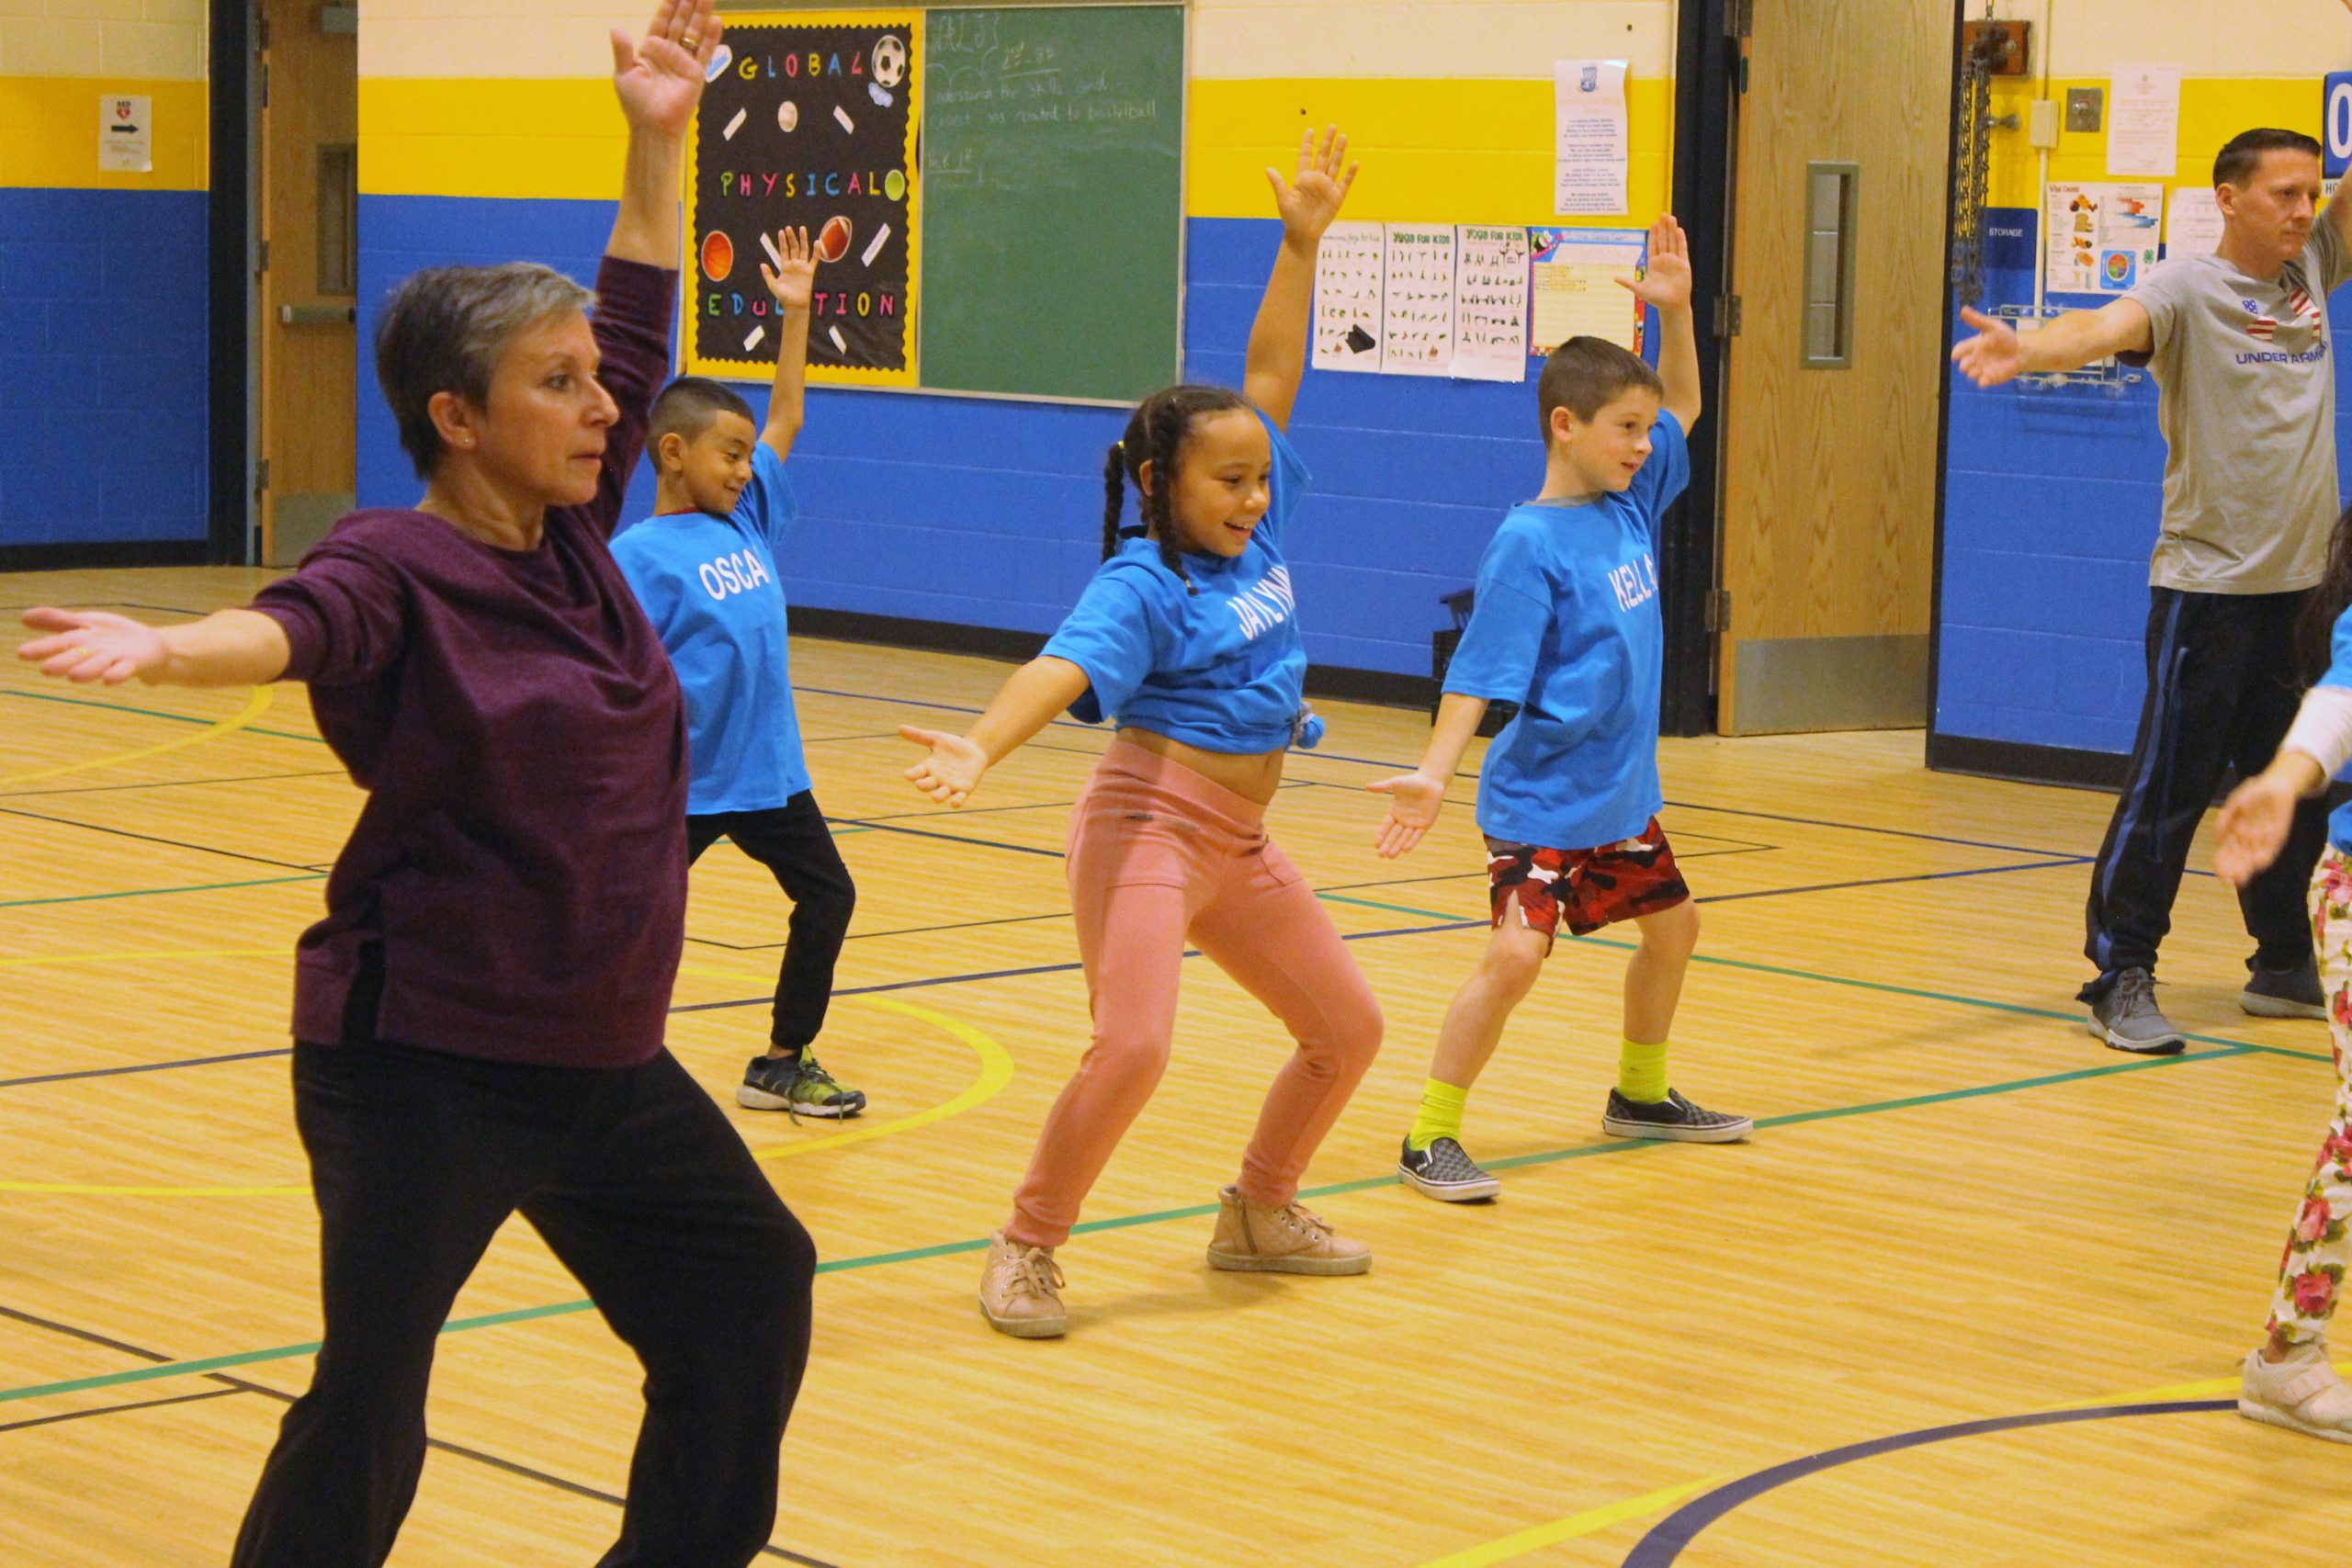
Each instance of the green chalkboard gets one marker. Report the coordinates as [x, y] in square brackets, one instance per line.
[1053, 201]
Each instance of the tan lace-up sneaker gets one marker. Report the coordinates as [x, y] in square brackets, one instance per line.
[1021, 1290]
[1288, 1240]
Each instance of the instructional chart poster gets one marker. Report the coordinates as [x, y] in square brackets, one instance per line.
[1348, 317]
[1575, 289]
[1490, 303]
[809, 120]
[1418, 301]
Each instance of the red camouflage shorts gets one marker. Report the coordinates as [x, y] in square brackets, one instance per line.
[1587, 888]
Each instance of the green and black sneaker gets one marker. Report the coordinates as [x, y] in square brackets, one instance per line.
[797, 1085]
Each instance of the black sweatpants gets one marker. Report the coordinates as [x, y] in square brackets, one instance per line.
[2221, 693]
[793, 841]
[645, 1192]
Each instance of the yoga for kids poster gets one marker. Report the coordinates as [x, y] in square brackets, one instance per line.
[809, 120]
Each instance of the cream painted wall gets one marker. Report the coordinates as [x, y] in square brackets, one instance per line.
[2297, 39]
[151, 39]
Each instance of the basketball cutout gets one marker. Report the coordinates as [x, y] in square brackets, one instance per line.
[718, 256]
[833, 240]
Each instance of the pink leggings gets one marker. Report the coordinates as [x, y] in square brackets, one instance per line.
[1158, 853]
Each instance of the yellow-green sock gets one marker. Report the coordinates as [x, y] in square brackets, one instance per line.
[1440, 1115]
[1641, 1072]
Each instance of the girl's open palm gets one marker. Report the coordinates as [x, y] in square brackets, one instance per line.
[2253, 828]
[952, 771]
[1308, 201]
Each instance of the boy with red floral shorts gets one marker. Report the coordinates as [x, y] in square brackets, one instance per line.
[1566, 624]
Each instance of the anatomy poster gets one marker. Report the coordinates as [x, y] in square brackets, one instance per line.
[809, 120]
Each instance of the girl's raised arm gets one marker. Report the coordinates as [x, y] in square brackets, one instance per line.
[1278, 340]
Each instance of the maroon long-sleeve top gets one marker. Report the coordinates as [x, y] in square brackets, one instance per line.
[520, 863]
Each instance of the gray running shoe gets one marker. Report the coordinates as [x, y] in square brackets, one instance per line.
[2127, 1018]
[2284, 993]
[1444, 1172]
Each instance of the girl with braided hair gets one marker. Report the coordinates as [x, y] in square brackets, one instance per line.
[1188, 640]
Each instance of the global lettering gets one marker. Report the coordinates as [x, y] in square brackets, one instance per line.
[814, 63]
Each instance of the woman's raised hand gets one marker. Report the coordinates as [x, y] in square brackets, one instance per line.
[659, 79]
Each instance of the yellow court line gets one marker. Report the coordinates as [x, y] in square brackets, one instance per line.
[1592, 1522]
[255, 705]
[996, 1071]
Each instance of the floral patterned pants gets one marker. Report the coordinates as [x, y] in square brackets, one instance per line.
[2318, 1250]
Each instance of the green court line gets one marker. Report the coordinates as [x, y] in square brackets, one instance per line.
[1123, 1221]
[156, 713]
[2241, 1047]
[152, 892]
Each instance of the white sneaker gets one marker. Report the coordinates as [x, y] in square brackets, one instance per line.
[2301, 1394]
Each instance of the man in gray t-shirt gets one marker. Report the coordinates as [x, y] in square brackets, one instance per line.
[2239, 343]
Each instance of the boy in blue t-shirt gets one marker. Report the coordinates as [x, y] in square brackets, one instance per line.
[704, 567]
[1566, 624]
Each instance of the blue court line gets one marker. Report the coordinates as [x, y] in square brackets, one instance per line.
[1664, 1544]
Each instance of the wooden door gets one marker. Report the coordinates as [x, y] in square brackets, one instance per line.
[309, 217]
[1833, 379]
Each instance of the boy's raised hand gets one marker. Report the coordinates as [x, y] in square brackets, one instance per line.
[1309, 201]
[1664, 283]
[1413, 802]
[794, 284]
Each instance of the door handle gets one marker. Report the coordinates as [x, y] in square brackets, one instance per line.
[317, 315]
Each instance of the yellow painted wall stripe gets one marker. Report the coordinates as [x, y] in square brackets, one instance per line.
[1434, 152]
[52, 133]
[2212, 109]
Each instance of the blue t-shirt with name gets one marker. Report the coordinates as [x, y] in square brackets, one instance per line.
[1566, 624]
[1222, 669]
[709, 585]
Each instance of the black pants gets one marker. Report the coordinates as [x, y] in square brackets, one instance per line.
[638, 1183]
[793, 841]
[2221, 694]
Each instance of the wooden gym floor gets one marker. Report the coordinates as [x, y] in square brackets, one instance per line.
[1958, 1211]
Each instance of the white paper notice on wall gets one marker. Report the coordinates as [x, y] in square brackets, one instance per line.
[1574, 288]
[1418, 292]
[1490, 302]
[1348, 325]
[127, 133]
[1591, 140]
[2144, 120]
[2193, 223]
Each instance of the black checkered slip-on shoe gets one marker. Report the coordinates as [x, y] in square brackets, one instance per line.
[1444, 1172]
[1674, 1120]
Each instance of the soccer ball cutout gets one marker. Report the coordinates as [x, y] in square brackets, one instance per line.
[890, 60]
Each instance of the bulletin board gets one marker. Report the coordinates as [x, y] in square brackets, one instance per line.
[998, 193]
[811, 119]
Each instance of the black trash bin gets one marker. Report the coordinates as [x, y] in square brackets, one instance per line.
[1442, 646]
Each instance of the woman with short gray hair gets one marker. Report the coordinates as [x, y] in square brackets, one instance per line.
[478, 1019]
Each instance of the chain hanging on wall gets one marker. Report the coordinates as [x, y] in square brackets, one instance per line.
[1971, 163]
